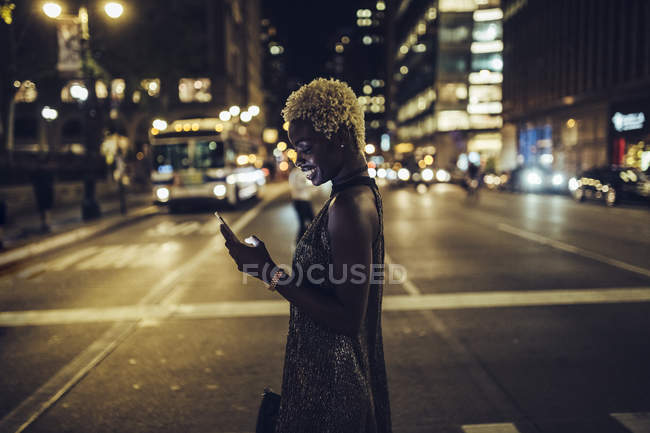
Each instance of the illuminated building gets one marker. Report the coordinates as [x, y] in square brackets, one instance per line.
[358, 57]
[183, 59]
[446, 75]
[577, 82]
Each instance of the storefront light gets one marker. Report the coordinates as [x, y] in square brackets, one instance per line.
[488, 14]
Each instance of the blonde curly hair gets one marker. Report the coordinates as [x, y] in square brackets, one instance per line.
[331, 106]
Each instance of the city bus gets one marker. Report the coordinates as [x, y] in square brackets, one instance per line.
[203, 159]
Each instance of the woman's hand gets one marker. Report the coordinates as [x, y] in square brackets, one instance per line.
[253, 260]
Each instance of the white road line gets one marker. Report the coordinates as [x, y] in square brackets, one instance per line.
[444, 301]
[490, 428]
[635, 422]
[573, 249]
[407, 285]
[44, 397]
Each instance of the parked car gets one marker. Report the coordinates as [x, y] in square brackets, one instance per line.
[611, 185]
[536, 178]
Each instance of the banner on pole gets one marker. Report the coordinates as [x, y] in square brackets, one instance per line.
[69, 37]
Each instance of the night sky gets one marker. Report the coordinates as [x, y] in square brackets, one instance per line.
[306, 28]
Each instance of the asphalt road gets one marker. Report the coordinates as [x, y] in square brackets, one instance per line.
[520, 313]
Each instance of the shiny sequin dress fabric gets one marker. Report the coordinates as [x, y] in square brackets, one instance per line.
[333, 383]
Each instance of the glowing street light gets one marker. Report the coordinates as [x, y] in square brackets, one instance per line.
[52, 10]
[49, 114]
[113, 9]
[234, 110]
[159, 124]
[225, 116]
[245, 116]
[370, 149]
[254, 110]
[79, 92]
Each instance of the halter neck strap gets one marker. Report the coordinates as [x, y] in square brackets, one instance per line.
[358, 180]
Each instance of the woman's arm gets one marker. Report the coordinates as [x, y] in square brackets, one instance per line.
[352, 226]
[351, 231]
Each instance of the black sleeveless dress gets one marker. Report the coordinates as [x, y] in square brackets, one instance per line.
[333, 382]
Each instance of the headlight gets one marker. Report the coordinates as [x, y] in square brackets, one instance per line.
[403, 174]
[533, 178]
[162, 194]
[427, 175]
[558, 179]
[443, 175]
[573, 184]
[219, 190]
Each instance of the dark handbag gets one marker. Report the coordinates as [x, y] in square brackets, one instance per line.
[268, 413]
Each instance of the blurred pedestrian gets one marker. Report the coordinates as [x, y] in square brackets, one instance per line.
[334, 371]
[43, 184]
[119, 175]
[3, 221]
[301, 193]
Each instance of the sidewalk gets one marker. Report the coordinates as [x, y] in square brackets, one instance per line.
[23, 237]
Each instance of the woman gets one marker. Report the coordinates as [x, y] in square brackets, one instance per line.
[334, 373]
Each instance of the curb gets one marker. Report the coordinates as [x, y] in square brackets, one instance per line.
[63, 239]
[60, 240]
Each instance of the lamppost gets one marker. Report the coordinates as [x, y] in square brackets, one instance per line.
[87, 97]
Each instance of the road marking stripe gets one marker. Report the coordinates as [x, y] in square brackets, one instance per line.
[445, 301]
[635, 422]
[490, 428]
[48, 394]
[505, 404]
[573, 249]
[407, 285]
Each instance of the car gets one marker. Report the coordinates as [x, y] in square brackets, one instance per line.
[536, 178]
[612, 185]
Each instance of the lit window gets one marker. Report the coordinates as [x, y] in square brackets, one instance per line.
[101, 90]
[338, 48]
[487, 31]
[381, 6]
[485, 77]
[118, 85]
[152, 86]
[484, 93]
[68, 93]
[485, 121]
[194, 90]
[487, 47]
[453, 92]
[404, 70]
[488, 14]
[367, 40]
[452, 120]
[457, 5]
[485, 108]
[26, 92]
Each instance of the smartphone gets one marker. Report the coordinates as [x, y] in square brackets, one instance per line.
[249, 240]
[216, 214]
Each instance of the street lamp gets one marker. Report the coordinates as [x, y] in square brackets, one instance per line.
[52, 10]
[86, 96]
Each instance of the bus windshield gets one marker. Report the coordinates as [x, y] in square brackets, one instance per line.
[181, 156]
[209, 154]
[169, 157]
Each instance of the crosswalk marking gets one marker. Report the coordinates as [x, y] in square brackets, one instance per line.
[490, 428]
[635, 422]
[183, 228]
[264, 308]
[573, 249]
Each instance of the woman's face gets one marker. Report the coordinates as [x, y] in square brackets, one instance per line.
[321, 159]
